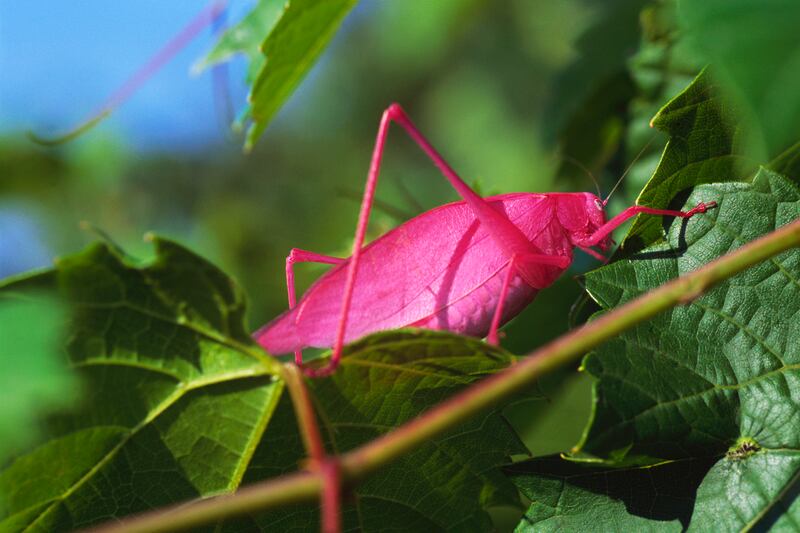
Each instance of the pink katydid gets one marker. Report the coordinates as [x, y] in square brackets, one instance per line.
[467, 267]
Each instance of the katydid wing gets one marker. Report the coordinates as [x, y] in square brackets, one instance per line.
[467, 267]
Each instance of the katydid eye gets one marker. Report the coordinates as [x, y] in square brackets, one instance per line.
[598, 203]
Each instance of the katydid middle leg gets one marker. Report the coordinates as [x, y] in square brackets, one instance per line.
[559, 261]
[597, 255]
[508, 237]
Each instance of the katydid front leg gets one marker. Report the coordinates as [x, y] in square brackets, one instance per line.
[508, 237]
[603, 231]
[597, 255]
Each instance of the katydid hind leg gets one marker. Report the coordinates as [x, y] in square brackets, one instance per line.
[492, 338]
[296, 255]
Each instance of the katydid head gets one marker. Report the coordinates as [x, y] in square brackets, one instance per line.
[597, 218]
[581, 215]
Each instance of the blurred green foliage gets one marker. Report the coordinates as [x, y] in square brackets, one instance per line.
[34, 378]
[754, 53]
[519, 95]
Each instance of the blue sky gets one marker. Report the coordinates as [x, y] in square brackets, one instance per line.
[59, 61]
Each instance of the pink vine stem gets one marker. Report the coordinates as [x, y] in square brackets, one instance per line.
[207, 16]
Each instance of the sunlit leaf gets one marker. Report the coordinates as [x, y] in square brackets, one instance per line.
[282, 39]
[180, 403]
[291, 49]
[176, 398]
[246, 37]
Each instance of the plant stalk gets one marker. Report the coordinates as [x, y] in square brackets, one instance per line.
[312, 440]
[367, 459]
[304, 411]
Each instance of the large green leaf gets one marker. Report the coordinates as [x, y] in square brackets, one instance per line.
[709, 385]
[177, 395]
[385, 380]
[180, 403]
[697, 378]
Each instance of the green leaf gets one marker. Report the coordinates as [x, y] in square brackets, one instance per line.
[282, 39]
[698, 377]
[709, 386]
[33, 378]
[179, 399]
[754, 52]
[291, 49]
[246, 37]
[177, 395]
[702, 149]
[568, 496]
[385, 380]
[705, 146]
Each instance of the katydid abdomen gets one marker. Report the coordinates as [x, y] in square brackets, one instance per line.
[472, 314]
[439, 270]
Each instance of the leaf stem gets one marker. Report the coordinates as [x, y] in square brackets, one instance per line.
[304, 411]
[363, 461]
[312, 440]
